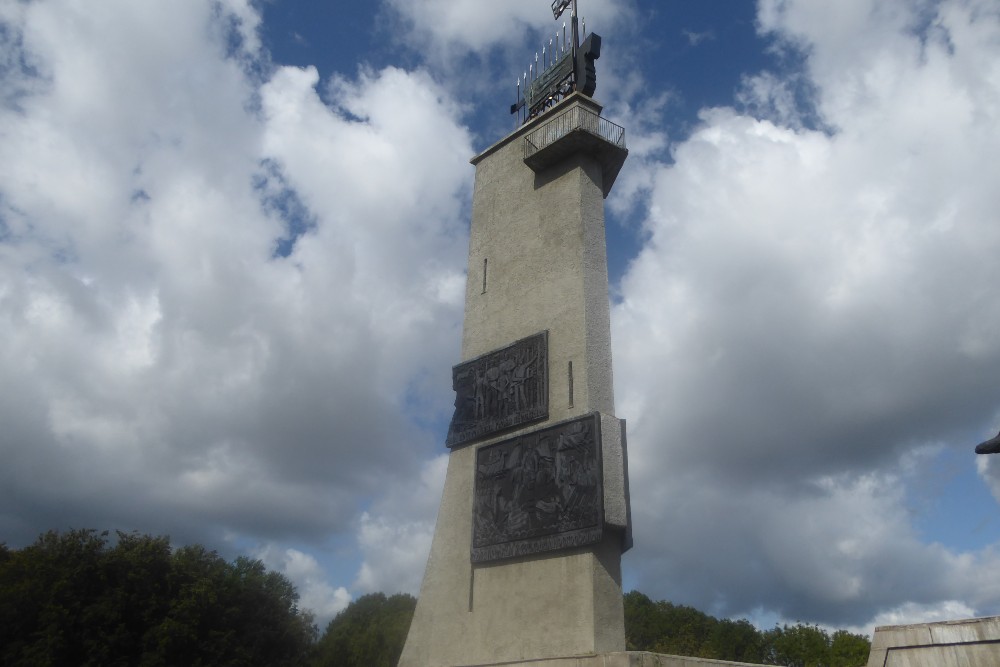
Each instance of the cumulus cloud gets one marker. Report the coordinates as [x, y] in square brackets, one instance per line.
[470, 25]
[395, 536]
[310, 579]
[230, 296]
[226, 306]
[949, 610]
[818, 305]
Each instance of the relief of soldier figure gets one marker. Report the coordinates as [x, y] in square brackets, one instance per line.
[499, 390]
[540, 484]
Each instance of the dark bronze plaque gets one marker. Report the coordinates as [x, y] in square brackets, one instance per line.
[499, 390]
[538, 492]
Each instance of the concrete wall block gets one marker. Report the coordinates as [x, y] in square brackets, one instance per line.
[962, 643]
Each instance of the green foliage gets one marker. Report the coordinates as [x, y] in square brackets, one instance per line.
[810, 646]
[848, 650]
[799, 646]
[75, 599]
[663, 627]
[369, 633]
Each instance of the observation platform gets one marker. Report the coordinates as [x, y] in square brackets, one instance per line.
[573, 125]
[570, 128]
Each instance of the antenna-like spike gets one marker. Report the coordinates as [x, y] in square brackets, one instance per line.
[584, 21]
[543, 57]
[564, 35]
[517, 102]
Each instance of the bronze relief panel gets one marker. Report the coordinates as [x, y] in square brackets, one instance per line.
[500, 390]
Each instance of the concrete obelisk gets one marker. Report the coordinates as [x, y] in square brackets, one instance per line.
[525, 561]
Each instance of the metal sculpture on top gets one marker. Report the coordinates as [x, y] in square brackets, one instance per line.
[565, 66]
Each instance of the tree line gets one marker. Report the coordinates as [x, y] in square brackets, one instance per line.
[76, 599]
[662, 627]
[84, 598]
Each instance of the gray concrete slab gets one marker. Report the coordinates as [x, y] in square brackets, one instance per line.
[962, 643]
[621, 659]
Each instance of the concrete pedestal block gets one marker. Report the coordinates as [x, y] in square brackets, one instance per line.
[623, 659]
[542, 606]
[966, 643]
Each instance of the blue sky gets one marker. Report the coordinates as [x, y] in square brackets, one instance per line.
[232, 254]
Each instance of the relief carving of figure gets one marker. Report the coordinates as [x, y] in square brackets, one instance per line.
[520, 376]
[538, 491]
[500, 390]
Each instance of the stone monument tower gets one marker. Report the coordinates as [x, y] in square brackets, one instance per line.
[525, 562]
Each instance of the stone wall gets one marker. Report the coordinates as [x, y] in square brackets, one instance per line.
[968, 643]
[625, 659]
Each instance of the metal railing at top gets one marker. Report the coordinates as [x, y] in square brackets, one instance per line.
[576, 118]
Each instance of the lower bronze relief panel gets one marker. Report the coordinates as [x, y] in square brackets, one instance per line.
[540, 491]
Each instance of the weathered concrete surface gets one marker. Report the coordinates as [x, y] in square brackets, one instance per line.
[623, 659]
[537, 261]
[966, 643]
[540, 238]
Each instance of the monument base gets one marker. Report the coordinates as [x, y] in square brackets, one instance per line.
[516, 610]
[622, 659]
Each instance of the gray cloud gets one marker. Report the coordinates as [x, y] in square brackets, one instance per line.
[454, 26]
[164, 369]
[808, 326]
[817, 307]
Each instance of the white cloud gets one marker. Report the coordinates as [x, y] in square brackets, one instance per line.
[816, 306]
[309, 578]
[245, 20]
[395, 554]
[395, 537]
[695, 38]
[472, 25]
[947, 610]
[988, 469]
[172, 373]
[768, 96]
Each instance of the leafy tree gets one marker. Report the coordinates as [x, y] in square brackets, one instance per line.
[737, 640]
[370, 632]
[74, 599]
[663, 627]
[643, 624]
[799, 646]
[81, 599]
[849, 650]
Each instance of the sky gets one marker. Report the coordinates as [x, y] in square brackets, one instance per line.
[233, 238]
